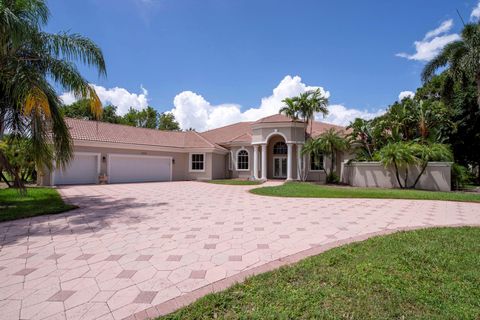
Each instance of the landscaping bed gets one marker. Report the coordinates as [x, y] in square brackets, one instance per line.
[310, 190]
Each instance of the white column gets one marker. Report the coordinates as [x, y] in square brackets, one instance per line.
[255, 162]
[299, 160]
[289, 161]
[264, 162]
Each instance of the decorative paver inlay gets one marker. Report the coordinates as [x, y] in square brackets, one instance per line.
[61, 295]
[132, 248]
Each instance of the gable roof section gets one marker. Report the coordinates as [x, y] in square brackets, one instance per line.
[276, 118]
[87, 130]
[228, 133]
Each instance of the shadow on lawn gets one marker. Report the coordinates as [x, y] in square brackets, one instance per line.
[94, 214]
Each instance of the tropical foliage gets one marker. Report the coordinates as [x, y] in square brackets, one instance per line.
[145, 118]
[443, 115]
[305, 106]
[32, 64]
[329, 144]
[20, 159]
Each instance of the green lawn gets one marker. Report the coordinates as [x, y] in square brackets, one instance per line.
[425, 274]
[37, 201]
[235, 182]
[310, 190]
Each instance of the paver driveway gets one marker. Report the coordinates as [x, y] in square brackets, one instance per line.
[134, 246]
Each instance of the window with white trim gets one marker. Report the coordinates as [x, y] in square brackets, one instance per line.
[242, 160]
[280, 148]
[316, 161]
[197, 162]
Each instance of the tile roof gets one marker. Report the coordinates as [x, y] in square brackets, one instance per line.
[87, 130]
[228, 133]
[276, 118]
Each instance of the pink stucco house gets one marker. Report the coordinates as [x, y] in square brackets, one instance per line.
[265, 149]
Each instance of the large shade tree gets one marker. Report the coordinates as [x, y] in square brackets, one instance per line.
[32, 64]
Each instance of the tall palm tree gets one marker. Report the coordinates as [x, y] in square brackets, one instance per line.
[462, 57]
[32, 62]
[309, 103]
[290, 108]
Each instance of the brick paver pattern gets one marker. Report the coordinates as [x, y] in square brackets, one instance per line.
[133, 246]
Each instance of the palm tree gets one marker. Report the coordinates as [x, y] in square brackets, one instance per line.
[398, 154]
[462, 57]
[430, 152]
[290, 108]
[328, 143]
[362, 138]
[32, 62]
[309, 103]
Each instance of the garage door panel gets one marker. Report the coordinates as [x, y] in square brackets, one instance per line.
[83, 169]
[126, 168]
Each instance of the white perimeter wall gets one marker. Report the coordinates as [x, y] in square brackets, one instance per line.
[437, 176]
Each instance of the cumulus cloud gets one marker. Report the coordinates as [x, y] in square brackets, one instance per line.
[475, 15]
[341, 115]
[119, 97]
[432, 43]
[405, 94]
[193, 111]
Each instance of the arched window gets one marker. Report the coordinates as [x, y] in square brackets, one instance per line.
[242, 160]
[280, 148]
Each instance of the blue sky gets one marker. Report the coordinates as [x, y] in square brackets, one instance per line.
[209, 61]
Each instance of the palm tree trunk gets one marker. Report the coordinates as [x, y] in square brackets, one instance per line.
[406, 177]
[424, 167]
[397, 174]
[332, 162]
[477, 80]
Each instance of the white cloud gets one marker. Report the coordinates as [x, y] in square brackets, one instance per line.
[444, 27]
[341, 115]
[475, 15]
[119, 97]
[405, 94]
[432, 43]
[192, 110]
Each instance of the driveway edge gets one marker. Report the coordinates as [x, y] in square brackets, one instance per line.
[190, 297]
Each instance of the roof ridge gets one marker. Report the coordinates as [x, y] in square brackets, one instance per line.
[206, 140]
[228, 125]
[123, 125]
[245, 133]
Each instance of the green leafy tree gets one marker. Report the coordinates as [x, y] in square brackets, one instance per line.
[110, 114]
[20, 158]
[79, 109]
[32, 63]
[166, 121]
[145, 118]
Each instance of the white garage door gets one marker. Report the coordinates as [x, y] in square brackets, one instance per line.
[83, 169]
[138, 168]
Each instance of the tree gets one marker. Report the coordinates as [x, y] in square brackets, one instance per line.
[361, 138]
[399, 155]
[461, 57]
[328, 143]
[110, 114]
[145, 118]
[166, 121]
[31, 63]
[79, 109]
[402, 155]
[20, 158]
[309, 103]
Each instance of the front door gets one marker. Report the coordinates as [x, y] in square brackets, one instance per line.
[280, 167]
